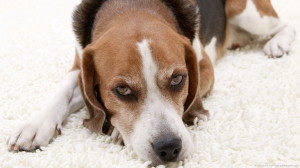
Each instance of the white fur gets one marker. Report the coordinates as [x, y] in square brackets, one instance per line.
[238, 37]
[211, 50]
[41, 128]
[280, 43]
[158, 116]
[197, 47]
[115, 135]
[251, 21]
[79, 49]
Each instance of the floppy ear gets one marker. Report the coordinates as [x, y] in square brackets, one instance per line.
[193, 104]
[193, 74]
[92, 99]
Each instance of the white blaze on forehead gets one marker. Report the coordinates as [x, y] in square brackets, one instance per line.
[149, 66]
[155, 103]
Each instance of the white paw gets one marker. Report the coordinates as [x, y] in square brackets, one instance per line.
[279, 45]
[31, 136]
[276, 48]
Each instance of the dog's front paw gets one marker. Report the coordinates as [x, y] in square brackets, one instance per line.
[276, 48]
[279, 45]
[31, 136]
[196, 115]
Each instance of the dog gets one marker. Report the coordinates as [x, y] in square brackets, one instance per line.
[142, 66]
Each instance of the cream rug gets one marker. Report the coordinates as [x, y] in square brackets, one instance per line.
[255, 104]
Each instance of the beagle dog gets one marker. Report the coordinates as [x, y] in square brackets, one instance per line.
[142, 66]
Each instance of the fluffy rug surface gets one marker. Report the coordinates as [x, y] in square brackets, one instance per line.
[255, 104]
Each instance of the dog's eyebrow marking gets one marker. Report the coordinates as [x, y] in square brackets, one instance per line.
[127, 79]
[168, 72]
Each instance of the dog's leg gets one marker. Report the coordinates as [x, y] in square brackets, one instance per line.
[259, 18]
[40, 129]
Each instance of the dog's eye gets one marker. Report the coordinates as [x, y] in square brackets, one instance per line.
[123, 90]
[177, 82]
[124, 93]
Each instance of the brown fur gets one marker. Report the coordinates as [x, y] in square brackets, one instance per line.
[234, 7]
[205, 86]
[168, 49]
[104, 19]
[184, 13]
[265, 8]
[169, 54]
[237, 37]
[156, 23]
[87, 84]
[206, 75]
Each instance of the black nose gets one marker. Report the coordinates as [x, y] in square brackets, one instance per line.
[167, 149]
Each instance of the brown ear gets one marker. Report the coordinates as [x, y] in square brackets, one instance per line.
[193, 106]
[193, 74]
[93, 102]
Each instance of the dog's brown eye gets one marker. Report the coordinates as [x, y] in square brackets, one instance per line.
[123, 90]
[176, 80]
[124, 93]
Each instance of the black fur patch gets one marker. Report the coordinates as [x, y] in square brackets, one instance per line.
[187, 16]
[212, 20]
[83, 20]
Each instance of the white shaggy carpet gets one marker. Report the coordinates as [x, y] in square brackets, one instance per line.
[255, 104]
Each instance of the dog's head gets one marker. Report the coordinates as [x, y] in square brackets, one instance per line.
[143, 81]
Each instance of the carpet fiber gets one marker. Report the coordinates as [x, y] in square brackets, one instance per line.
[255, 104]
